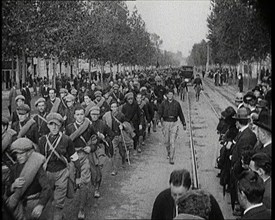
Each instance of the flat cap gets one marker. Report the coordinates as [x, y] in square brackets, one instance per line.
[73, 91]
[21, 144]
[23, 109]
[143, 88]
[98, 93]
[19, 97]
[39, 100]
[63, 90]
[95, 110]
[5, 120]
[129, 95]
[115, 86]
[54, 117]
[157, 78]
[69, 98]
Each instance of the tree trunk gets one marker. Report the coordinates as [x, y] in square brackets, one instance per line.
[90, 65]
[12, 70]
[18, 69]
[23, 67]
[54, 73]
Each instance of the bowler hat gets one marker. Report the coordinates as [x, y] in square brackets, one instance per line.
[21, 144]
[249, 96]
[19, 97]
[54, 117]
[264, 120]
[39, 100]
[23, 109]
[242, 113]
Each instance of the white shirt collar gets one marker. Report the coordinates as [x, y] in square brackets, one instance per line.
[267, 143]
[252, 207]
[243, 128]
[266, 179]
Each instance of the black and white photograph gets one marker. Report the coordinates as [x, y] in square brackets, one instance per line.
[142, 109]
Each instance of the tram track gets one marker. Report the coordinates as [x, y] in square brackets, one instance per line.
[194, 163]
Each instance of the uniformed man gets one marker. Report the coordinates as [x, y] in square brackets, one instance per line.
[26, 126]
[53, 103]
[169, 112]
[69, 113]
[80, 132]
[29, 185]
[132, 114]
[63, 106]
[59, 150]
[101, 103]
[105, 136]
[117, 95]
[40, 118]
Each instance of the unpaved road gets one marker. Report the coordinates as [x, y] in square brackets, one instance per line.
[131, 194]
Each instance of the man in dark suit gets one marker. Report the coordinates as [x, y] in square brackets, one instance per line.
[251, 189]
[261, 164]
[166, 203]
[27, 94]
[263, 131]
[245, 137]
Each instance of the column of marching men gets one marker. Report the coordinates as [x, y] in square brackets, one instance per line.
[246, 145]
[46, 156]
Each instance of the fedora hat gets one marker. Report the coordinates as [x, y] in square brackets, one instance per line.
[242, 113]
[264, 120]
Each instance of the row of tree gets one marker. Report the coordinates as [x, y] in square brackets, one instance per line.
[92, 30]
[239, 30]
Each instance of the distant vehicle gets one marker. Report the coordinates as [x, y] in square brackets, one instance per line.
[187, 72]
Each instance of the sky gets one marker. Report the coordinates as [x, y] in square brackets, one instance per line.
[180, 24]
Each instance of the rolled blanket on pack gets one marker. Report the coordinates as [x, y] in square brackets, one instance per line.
[28, 172]
[81, 129]
[100, 103]
[55, 105]
[7, 138]
[25, 128]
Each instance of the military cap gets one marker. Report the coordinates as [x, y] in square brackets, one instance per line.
[21, 144]
[249, 96]
[19, 97]
[242, 113]
[98, 93]
[95, 110]
[115, 86]
[73, 91]
[264, 120]
[39, 100]
[129, 95]
[23, 109]
[54, 117]
[69, 98]
[5, 120]
[63, 90]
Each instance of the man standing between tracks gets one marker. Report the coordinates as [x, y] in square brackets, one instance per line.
[169, 112]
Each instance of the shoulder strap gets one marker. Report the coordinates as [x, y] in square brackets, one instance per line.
[52, 150]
